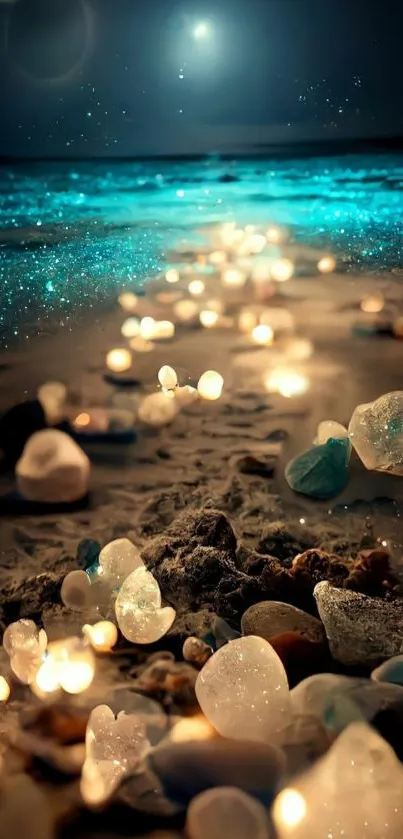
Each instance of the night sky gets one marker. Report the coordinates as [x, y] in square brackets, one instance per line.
[137, 77]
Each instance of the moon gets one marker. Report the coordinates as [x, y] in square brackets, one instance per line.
[201, 30]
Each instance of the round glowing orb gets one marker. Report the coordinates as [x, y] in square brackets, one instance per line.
[196, 287]
[147, 327]
[233, 278]
[167, 377]
[201, 30]
[253, 244]
[191, 728]
[73, 664]
[82, 420]
[47, 679]
[130, 328]
[218, 257]
[128, 301]
[208, 318]
[102, 635]
[172, 275]
[163, 330]
[282, 270]
[274, 235]
[289, 808]
[372, 304]
[5, 689]
[287, 383]
[210, 385]
[327, 264]
[119, 360]
[263, 335]
[186, 310]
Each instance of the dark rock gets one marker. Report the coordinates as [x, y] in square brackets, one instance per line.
[371, 573]
[249, 465]
[284, 541]
[185, 769]
[228, 179]
[270, 618]
[170, 681]
[17, 426]
[315, 565]
[301, 657]
[87, 553]
[27, 597]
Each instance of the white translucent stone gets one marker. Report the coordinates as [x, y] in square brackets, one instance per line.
[52, 397]
[263, 335]
[117, 560]
[52, 468]
[167, 377]
[210, 385]
[75, 591]
[328, 429]
[376, 432]
[131, 328]
[243, 690]
[163, 330]
[143, 626]
[114, 748]
[226, 812]
[355, 791]
[140, 590]
[4, 689]
[157, 409]
[25, 644]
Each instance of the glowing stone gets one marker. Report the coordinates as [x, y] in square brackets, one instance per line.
[226, 811]
[163, 330]
[114, 748]
[52, 468]
[321, 472]
[208, 318]
[210, 385]
[72, 663]
[282, 270]
[327, 265]
[75, 590]
[243, 690]
[287, 382]
[52, 397]
[4, 689]
[102, 635]
[157, 409]
[131, 328]
[25, 644]
[328, 429]
[128, 301]
[147, 328]
[233, 278]
[263, 335]
[46, 681]
[172, 275]
[117, 560]
[196, 287]
[186, 310]
[376, 432]
[119, 360]
[167, 377]
[355, 790]
[138, 609]
[372, 304]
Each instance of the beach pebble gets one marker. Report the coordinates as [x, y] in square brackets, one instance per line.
[114, 747]
[52, 469]
[376, 432]
[167, 377]
[321, 472]
[147, 626]
[360, 629]
[25, 644]
[75, 591]
[390, 671]
[226, 811]
[230, 694]
[138, 609]
[157, 409]
[336, 700]
[355, 790]
[117, 560]
[328, 429]
[187, 768]
[269, 619]
[196, 651]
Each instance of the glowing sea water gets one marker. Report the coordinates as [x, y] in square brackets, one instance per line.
[71, 234]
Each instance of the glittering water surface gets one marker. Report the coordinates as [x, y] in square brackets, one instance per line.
[72, 234]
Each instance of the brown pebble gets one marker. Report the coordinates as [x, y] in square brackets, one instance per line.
[300, 656]
[196, 651]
